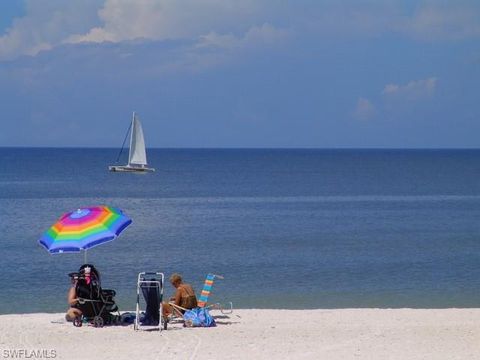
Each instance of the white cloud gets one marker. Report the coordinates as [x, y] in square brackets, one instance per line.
[214, 49]
[429, 20]
[413, 90]
[364, 110]
[397, 97]
[434, 20]
[256, 35]
[50, 24]
[46, 25]
[167, 19]
[231, 22]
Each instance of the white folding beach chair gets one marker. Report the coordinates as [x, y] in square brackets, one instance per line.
[151, 286]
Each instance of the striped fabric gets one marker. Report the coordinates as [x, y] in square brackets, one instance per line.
[84, 228]
[207, 288]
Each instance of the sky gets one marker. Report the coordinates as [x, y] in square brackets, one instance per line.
[250, 73]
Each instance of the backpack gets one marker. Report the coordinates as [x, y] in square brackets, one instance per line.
[198, 317]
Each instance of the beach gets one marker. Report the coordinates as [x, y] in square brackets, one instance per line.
[257, 334]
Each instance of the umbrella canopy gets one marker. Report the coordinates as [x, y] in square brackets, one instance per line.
[84, 228]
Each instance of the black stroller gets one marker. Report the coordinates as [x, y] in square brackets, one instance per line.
[95, 303]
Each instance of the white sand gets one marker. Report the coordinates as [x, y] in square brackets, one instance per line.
[253, 334]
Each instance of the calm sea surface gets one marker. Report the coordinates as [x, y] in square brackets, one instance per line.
[286, 228]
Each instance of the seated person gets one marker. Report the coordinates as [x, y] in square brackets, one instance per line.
[73, 311]
[184, 296]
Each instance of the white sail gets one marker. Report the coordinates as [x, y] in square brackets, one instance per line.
[137, 155]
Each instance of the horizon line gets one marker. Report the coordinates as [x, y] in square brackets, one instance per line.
[246, 148]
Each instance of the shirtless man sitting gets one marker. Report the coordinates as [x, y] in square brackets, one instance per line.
[184, 296]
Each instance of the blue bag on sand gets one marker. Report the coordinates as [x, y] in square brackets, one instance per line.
[127, 318]
[198, 317]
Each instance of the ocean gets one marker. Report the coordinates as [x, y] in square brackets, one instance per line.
[294, 229]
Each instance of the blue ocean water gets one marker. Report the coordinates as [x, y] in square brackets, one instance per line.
[286, 228]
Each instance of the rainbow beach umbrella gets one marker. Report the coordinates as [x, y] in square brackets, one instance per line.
[84, 228]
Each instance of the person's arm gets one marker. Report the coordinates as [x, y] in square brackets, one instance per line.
[72, 296]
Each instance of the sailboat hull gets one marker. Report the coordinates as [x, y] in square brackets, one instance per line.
[130, 169]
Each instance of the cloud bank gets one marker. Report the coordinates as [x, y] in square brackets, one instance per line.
[413, 90]
[396, 98]
[229, 22]
[47, 25]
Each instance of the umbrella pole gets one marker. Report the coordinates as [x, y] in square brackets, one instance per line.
[85, 256]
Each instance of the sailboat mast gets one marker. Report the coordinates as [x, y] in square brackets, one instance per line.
[130, 148]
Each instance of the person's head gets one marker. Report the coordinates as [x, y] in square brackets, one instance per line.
[176, 280]
[89, 268]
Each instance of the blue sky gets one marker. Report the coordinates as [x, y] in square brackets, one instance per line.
[10, 11]
[227, 73]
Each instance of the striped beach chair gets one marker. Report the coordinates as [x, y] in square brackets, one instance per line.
[207, 288]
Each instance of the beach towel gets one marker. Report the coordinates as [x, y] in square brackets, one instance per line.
[151, 293]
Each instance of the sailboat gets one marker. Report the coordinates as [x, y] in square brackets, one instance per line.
[137, 156]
